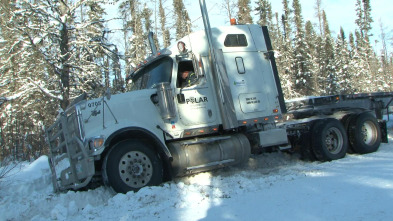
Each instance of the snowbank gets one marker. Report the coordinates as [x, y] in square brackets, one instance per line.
[273, 186]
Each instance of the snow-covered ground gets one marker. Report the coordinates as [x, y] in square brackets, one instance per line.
[272, 186]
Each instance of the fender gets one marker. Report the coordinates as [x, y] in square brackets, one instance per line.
[141, 133]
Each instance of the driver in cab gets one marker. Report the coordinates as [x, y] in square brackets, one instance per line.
[187, 78]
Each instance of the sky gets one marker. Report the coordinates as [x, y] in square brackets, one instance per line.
[339, 13]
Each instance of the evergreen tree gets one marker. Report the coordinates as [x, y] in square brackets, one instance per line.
[285, 20]
[182, 20]
[166, 39]
[367, 58]
[342, 64]
[284, 58]
[146, 14]
[244, 13]
[361, 82]
[318, 14]
[386, 69]
[329, 79]
[367, 19]
[360, 14]
[311, 42]
[132, 16]
[302, 65]
[264, 9]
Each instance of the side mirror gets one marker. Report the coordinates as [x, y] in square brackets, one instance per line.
[195, 63]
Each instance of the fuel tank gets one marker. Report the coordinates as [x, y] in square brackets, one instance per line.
[202, 154]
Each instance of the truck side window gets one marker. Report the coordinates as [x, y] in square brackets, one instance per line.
[149, 76]
[186, 75]
[235, 40]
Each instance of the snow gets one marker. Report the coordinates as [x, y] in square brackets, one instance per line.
[274, 186]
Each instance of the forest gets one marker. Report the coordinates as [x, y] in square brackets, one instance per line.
[52, 51]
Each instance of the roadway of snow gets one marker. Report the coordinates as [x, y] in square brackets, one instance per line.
[272, 186]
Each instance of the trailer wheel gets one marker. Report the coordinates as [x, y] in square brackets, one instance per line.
[131, 165]
[329, 140]
[364, 133]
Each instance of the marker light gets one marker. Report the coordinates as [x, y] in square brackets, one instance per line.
[233, 21]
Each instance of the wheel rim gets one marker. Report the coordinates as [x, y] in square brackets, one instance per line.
[135, 169]
[369, 132]
[334, 140]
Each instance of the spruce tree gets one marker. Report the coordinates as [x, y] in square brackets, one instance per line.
[132, 16]
[367, 19]
[264, 9]
[244, 13]
[367, 59]
[146, 14]
[311, 42]
[302, 65]
[342, 64]
[284, 57]
[166, 41]
[318, 14]
[182, 20]
[286, 19]
[329, 79]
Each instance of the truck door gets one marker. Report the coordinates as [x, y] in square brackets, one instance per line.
[194, 95]
[252, 81]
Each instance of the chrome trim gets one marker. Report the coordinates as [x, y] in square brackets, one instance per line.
[80, 123]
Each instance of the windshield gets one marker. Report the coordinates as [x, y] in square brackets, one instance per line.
[157, 72]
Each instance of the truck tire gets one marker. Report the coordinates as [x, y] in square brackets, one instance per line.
[131, 165]
[346, 120]
[329, 140]
[364, 133]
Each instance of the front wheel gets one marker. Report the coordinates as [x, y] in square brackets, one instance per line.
[364, 133]
[131, 165]
[329, 140]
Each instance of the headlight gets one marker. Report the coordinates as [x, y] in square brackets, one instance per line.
[96, 143]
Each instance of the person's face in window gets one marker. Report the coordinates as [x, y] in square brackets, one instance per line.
[184, 75]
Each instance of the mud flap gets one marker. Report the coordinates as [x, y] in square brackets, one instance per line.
[384, 131]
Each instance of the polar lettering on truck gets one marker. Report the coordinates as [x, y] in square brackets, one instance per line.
[194, 100]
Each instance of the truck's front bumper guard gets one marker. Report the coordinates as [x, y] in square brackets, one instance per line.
[70, 163]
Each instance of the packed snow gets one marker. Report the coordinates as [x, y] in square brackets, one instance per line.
[273, 186]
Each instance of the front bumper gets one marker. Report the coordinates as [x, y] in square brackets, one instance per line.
[71, 165]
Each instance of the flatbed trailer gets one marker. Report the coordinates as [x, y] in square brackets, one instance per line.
[379, 102]
[360, 115]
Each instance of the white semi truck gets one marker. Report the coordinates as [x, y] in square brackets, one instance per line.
[229, 106]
